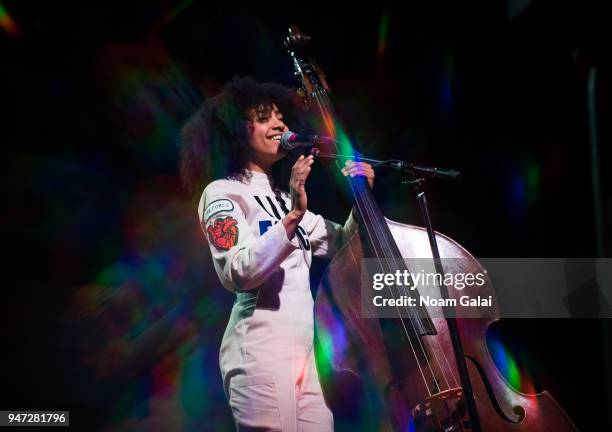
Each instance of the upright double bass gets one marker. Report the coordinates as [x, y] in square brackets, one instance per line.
[401, 374]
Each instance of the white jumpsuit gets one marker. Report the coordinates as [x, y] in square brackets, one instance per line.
[266, 358]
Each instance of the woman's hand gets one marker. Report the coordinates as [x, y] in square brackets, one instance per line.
[299, 200]
[297, 184]
[353, 169]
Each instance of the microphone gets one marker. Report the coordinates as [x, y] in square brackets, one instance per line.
[290, 140]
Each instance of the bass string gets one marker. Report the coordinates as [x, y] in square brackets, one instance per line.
[371, 230]
[394, 254]
[362, 188]
[370, 212]
[325, 107]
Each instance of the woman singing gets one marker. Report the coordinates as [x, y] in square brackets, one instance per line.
[262, 238]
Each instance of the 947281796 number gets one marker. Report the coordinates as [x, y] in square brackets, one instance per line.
[31, 418]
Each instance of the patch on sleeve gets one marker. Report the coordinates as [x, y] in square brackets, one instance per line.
[218, 206]
[223, 232]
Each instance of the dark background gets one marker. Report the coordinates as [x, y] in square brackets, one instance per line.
[111, 307]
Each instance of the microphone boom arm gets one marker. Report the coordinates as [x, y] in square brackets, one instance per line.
[399, 165]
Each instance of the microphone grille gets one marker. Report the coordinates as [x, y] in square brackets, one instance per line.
[286, 140]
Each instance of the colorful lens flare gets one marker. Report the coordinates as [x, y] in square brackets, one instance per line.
[507, 366]
[383, 36]
[7, 23]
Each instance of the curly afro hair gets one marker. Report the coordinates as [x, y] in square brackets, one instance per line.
[214, 142]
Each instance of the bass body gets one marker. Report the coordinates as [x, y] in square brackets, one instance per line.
[373, 380]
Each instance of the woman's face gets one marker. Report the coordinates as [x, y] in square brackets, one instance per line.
[266, 127]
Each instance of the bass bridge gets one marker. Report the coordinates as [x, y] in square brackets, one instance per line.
[442, 412]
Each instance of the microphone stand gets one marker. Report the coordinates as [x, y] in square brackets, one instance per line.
[416, 178]
[399, 165]
[453, 329]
